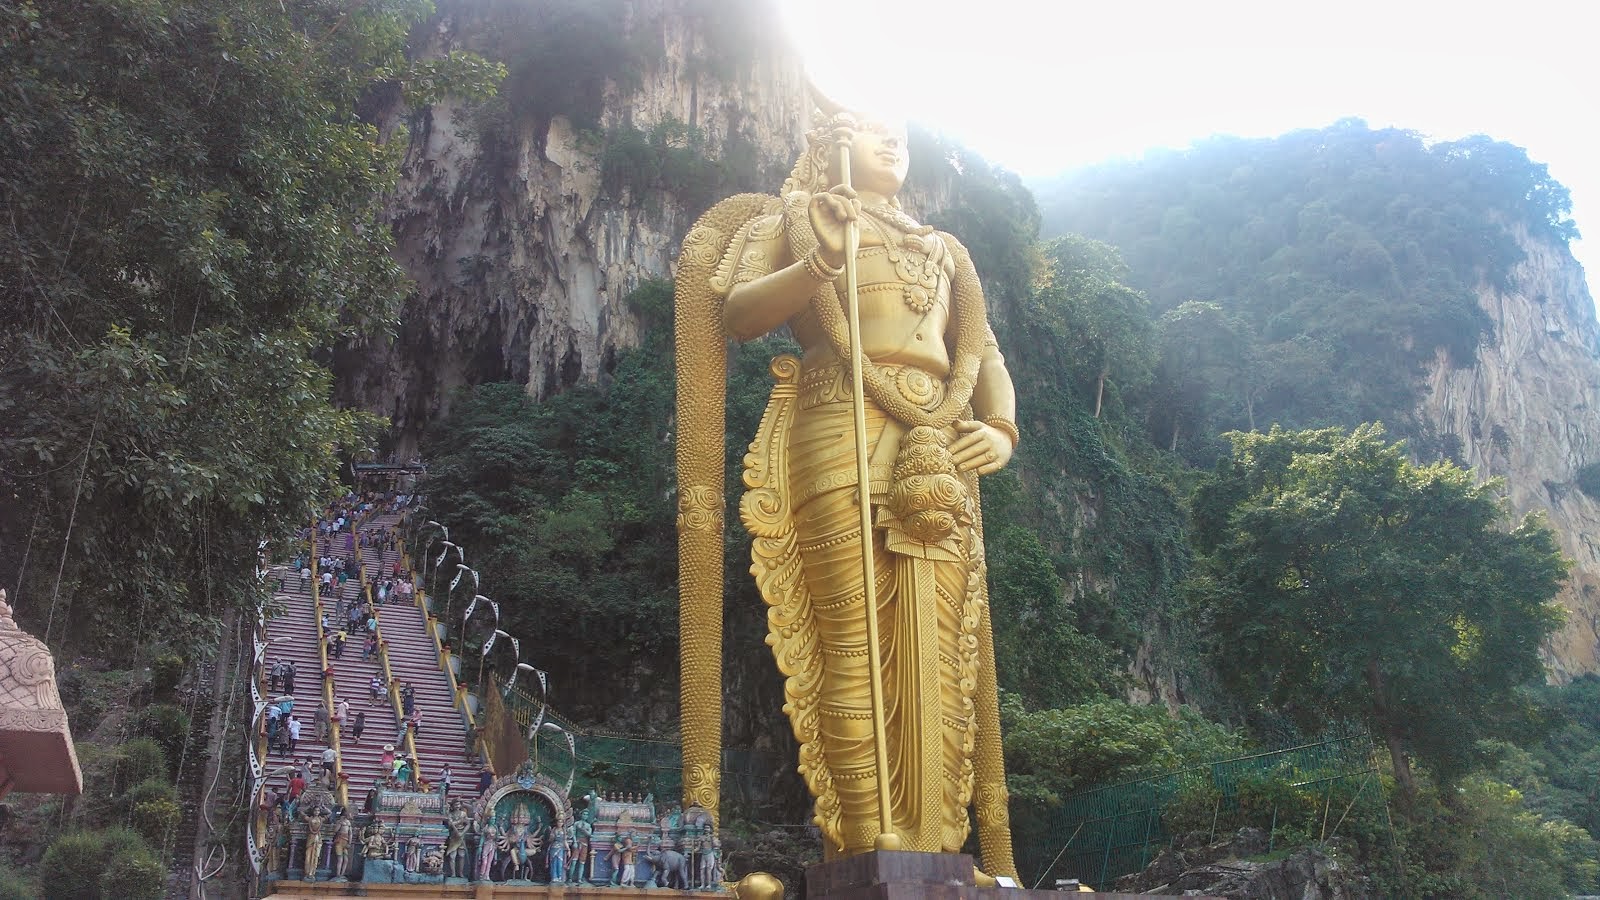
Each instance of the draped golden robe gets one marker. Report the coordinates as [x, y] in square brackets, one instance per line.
[802, 506]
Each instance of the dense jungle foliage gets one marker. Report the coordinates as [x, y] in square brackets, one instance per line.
[192, 217]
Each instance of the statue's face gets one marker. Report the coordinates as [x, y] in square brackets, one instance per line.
[878, 158]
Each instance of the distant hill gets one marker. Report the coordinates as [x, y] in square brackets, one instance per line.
[1338, 262]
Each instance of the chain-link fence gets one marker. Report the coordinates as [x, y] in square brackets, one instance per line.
[610, 761]
[1104, 833]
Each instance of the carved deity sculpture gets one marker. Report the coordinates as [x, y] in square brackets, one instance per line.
[623, 861]
[343, 834]
[277, 841]
[375, 841]
[558, 858]
[455, 846]
[918, 732]
[711, 862]
[488, 846]
[582, 852]
[414, 854]
[314, 817]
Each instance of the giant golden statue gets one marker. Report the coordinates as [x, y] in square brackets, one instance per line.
[896, 713]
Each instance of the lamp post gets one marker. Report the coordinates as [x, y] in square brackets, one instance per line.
[450, 595]
[461, 557]
[483, 656]
[427, 549]
[414, 523]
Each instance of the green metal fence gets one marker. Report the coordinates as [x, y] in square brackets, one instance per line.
[1095, 836]
[647, 765]
[1105, 833]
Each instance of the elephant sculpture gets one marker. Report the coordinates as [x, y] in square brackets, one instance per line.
[671, 867]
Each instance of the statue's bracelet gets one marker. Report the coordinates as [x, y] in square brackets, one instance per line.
[819, 268]
[1006, 426]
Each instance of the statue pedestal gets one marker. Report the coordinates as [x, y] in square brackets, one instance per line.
[904, 875]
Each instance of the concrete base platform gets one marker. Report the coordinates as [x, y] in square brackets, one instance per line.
[323, 890]
[903, 875]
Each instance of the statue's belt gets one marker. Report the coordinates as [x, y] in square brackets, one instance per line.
[925, 501]
[832, 384]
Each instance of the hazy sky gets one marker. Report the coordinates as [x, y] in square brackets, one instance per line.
[1041, 86]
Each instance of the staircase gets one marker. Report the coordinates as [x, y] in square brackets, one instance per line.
[413, 657]
[360, 759]
[191, 780]
[408, 654]
[294, 635]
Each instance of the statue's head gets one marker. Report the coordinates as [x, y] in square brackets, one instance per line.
[878, 156]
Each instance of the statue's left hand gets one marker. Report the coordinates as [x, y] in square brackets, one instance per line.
[980, 448]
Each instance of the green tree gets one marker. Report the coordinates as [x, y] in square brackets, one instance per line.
[194, 214]
[1105, 323]
[1203, 353]
[571, 501]
[1051, 753]
[1344, 582]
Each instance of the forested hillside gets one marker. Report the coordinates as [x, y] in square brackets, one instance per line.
[1305, 280]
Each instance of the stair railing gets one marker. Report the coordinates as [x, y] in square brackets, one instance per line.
[257, 832]
[457, 689]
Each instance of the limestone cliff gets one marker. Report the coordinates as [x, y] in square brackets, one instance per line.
[521, 252]
[1528, 410]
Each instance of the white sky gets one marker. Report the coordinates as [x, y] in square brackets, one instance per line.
[1041, 86]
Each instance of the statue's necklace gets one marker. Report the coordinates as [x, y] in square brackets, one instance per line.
[971, 329]
[917, 255]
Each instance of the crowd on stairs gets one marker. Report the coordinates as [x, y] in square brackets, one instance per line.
[351, 586]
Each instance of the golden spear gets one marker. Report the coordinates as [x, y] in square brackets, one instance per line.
[888, 838]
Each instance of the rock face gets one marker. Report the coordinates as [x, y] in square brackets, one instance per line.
[520, 253]
[1528, 410]
[1224, 869]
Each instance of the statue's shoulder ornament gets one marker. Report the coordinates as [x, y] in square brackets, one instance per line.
[745, 231]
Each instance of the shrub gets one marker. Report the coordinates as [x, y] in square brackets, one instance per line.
[77, 860]
[152, 789]
[165, 673]
[133, 876]
[141, 760]
[1195, 808]
[73, 863]
[16, 886]
[157, 819]
[84, 704]
[1267, 800]
[168, 726]
[155, 809]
